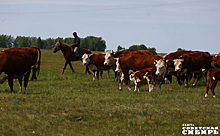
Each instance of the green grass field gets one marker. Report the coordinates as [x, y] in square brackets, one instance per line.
[73, 104]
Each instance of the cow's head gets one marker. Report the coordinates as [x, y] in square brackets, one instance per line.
[117, 69]
[85, 59]
[57, 46]
[3, 77]
[178, 64]
[160, 66]
[109, 59]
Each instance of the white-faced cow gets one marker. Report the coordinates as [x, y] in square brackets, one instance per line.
[95, 62]
[192, 63]
[170, 65]
[110, 56]
[135, 62]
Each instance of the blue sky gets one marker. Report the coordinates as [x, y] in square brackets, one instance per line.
[163, 24]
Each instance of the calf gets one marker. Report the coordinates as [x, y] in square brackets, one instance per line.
[213, 76]
[147, 74]
[15, 63]
[95, 62]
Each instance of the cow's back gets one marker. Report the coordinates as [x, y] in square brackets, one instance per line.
[137, 62]
[197, 60]
[19, 61]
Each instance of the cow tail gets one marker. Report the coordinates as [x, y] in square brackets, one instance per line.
[39, 61]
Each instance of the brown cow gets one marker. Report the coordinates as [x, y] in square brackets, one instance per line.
[170, 65]
[69, 56]
[109, 57]
[95, 62]
[36, 59]
[147, 74]
[213, 76]
[192, 63]
[216, 61]
[15, 63]
[137, 62]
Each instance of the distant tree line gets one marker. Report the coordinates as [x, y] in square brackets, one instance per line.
[90, 42]
[138, 47]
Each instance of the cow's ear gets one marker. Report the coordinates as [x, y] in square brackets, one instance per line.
[155, 62]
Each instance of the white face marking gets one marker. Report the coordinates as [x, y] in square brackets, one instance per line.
[3, 77]
[160, 67]
[178, 64]
[109, 59]
[117, 69]
[85, 59]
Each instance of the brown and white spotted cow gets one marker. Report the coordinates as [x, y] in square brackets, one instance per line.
[15, 64]
[135, 62]
[192, 63]
[213, 76]
[95, 62]
[147, 74]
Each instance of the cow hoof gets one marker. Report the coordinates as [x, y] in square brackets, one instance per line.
[213, 96]
[186, 85]
[206, 95]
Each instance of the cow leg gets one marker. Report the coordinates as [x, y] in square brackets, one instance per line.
[94, 75]
[97, 74]
[26, 77]
[187, 78]
[151, 83]
[207, 86]
[10, 83]
[116, 76]
[121, 81]
[128, 85]
[64, 67]
[194, 79]
[34, 70]
[136, 87]
[87, 70]
[101, 73]
[71, 67]
[212, 87]
[20, 83]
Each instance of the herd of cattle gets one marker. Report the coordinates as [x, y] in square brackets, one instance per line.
[138, 65]
[128, 65]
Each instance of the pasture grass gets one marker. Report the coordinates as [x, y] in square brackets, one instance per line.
[73, 104]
